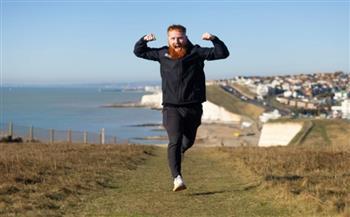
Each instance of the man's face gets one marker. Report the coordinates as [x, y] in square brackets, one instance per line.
[177, 39]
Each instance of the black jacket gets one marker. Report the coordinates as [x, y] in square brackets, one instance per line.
[183, 80]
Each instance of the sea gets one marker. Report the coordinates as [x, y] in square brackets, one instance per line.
[80, 109]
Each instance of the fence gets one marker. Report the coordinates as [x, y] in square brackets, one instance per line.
[55, 136]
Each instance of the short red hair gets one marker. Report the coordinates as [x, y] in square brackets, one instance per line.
[177, 27]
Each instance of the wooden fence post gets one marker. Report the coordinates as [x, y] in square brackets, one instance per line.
[69, 136]
[52, 135]
[102, 136]
[10, 130]
[31, 133]
[85, 137]
[114, 140]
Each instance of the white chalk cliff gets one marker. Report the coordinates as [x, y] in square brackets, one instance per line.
[275, 134]
[211, 112]
[152, 100]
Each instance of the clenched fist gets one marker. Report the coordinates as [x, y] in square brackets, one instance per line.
[149, 37]
[208, 36]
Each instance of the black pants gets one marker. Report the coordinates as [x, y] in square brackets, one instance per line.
[181, 123]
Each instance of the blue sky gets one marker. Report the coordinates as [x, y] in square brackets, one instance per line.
[50, 42]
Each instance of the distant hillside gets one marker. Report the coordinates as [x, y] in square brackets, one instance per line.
[232, 103]
[335, 132]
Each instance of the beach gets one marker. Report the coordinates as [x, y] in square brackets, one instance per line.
[216, 134]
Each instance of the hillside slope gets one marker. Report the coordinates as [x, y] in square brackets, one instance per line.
[232, 103]
[321, 133]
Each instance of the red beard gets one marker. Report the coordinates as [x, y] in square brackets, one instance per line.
[177, 54]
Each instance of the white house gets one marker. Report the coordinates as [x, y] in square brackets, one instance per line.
[344, 109]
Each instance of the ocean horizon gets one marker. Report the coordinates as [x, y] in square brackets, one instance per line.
[79, 109]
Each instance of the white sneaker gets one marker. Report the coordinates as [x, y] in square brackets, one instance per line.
[179, 184]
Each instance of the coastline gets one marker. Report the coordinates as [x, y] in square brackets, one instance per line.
[215, 135]
[212, 113]
[219, 127]
[128, 105]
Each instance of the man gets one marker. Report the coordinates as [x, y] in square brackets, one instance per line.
[183, 87]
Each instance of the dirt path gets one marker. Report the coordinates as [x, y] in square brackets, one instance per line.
[215, 188]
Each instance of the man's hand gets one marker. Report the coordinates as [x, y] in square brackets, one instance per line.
[208, 36]
[149, 37]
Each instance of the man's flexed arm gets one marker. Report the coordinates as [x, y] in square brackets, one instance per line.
[142, 50]
[219, 51]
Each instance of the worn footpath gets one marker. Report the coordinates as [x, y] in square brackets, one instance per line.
[215, 188]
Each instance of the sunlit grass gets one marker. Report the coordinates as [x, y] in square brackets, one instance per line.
[44, 179]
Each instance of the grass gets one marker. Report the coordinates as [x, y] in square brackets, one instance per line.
[216, 187]
[305, 175]
[276, 104]
[232, 103]
[244, 90]
[46, 180]
[301, 136]
[329, 132]
[130, 180]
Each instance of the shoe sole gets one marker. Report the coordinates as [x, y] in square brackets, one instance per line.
[180, 188]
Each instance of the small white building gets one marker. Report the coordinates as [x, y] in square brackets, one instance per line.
[264, 117]
[344, 109]
[275, 83]
[341, 95]
[285, 86]
[287, 93]
[295, 94]
[262, 90]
